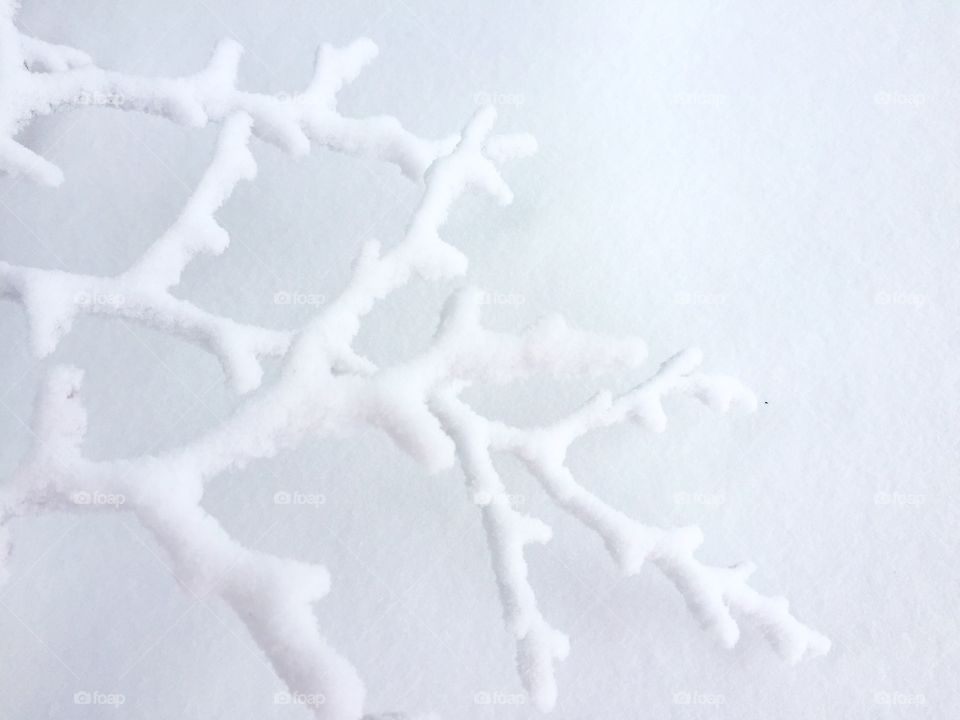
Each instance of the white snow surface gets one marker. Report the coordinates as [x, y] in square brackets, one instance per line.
[773, 184]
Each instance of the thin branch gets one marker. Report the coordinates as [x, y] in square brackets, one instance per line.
[38, 78]
[52, 299]
[710, 592]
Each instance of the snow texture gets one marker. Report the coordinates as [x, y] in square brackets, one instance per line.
[325, 386]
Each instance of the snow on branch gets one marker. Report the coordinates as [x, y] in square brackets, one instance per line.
[508, 532]
[324, 387]
[40, 56]
[711, 593]
[38, 78]
[53, 298]
[272, 596]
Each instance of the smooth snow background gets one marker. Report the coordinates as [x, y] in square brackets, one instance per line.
[775, 184]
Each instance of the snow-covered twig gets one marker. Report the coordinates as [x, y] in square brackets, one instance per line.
[271, 595]
[508, 532]
[324, 386]
[710, 592]
[38, 78]
[53, 298]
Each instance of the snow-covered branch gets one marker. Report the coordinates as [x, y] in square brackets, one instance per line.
[41, 56]
[325, 387]
[272, 596]
[508, 533]
[53, 298]
[710, 592]
[38, 78]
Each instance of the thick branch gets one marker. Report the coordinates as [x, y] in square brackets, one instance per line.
[272, 596]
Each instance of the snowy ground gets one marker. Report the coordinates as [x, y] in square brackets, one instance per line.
[774, 184]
